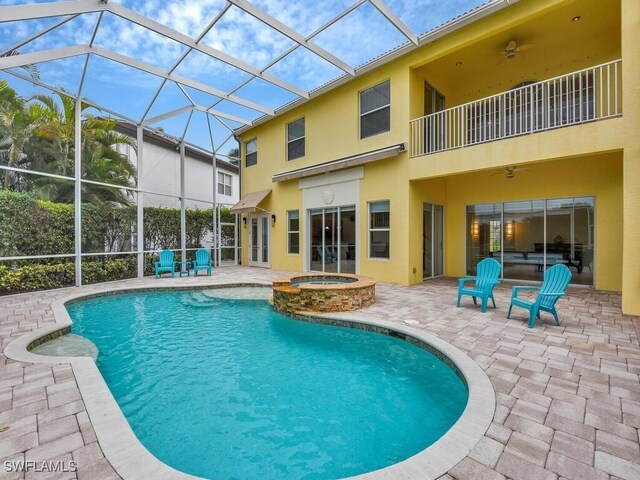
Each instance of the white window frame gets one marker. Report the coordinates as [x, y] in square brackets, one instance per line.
[226, 182]
[303, 137]
[361, 115]
[289, 212]
[371, 230]
[246, 150]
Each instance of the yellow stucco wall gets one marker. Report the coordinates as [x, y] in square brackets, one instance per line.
[596, 175]
[599, 158]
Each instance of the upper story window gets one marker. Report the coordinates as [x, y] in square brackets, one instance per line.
[295, 139]
[251, 153]
[224, 184]
[375, 110]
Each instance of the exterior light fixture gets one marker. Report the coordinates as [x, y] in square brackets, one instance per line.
[509, 230]
[244, 221]
[458, 64]
[576, 18]
[273, 219]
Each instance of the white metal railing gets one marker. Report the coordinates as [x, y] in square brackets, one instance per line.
[583, 96]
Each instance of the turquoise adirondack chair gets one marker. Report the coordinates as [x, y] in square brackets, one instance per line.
[555, 283]
[165, 263]
[487, 277]
[202, 262]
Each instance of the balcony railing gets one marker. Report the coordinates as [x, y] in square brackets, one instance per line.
[583, 96]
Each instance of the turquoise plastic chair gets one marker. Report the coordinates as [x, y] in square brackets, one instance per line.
[487, 277]
[202, 262]
[555, 283]
[165, 263]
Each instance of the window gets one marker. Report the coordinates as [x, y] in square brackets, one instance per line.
[529, 236]
[293, 232]
[224, 184]
[295, 139]
[375, 110]
[251, 153]
[379, 229]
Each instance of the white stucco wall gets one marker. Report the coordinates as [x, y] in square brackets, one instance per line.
[161, 174]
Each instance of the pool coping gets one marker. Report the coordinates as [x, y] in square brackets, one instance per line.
[131, 460]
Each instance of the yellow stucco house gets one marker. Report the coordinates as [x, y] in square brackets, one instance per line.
[512, 132]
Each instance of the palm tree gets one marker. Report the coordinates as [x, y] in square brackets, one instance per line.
[101, 162]
[18, 122]
[234, 155]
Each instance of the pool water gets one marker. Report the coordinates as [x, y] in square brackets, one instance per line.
[225, 388]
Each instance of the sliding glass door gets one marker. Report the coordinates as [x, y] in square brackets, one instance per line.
[432, 240]
[332, 246]
[527, 237]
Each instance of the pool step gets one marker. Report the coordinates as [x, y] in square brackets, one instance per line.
[69, 345]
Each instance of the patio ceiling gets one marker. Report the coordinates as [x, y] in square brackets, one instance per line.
[186, 65]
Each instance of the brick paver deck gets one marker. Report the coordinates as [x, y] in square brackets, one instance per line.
[568, 398]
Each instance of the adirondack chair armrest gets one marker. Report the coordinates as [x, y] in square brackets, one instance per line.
[552, 294]
[156, 263]
[462, 281]
[514, 292]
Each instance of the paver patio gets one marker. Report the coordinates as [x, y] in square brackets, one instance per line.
[568, 397]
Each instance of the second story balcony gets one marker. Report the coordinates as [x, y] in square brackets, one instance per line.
[587, 95]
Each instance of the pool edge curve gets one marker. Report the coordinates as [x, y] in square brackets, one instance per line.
[132, 460]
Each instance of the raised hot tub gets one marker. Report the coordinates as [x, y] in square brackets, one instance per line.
[332, 292]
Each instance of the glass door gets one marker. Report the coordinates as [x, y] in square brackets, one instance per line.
[259, 240]
[332, 245]
[432, 240]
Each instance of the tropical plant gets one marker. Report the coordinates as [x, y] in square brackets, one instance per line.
[18, 122]
[234, 155]
[101, 162]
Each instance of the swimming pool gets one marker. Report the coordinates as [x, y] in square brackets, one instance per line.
[226, 388]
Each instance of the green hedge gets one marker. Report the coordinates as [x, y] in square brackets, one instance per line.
[24, 276]
[29, 226]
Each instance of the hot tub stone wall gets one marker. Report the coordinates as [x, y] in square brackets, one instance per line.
[341, 297]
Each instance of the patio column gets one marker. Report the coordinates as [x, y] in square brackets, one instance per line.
[140, 200]
[630, 19]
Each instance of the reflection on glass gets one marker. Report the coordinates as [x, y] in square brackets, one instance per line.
[520, 228]
[432, 240]
[570, 236]
[523, 240]
[333, 244]
[265, 239]
[254, 239]
[484, 227]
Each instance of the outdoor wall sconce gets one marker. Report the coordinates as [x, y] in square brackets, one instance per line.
[244, 221]
[475, 229]
[509, 230]
[273, 219]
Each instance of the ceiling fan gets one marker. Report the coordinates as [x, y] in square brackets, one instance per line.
[509, 172]
[512, 49]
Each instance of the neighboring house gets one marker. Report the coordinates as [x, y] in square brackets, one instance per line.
[161, 172]
[512, 135]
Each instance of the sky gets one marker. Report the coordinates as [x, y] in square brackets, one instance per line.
[357, 38]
